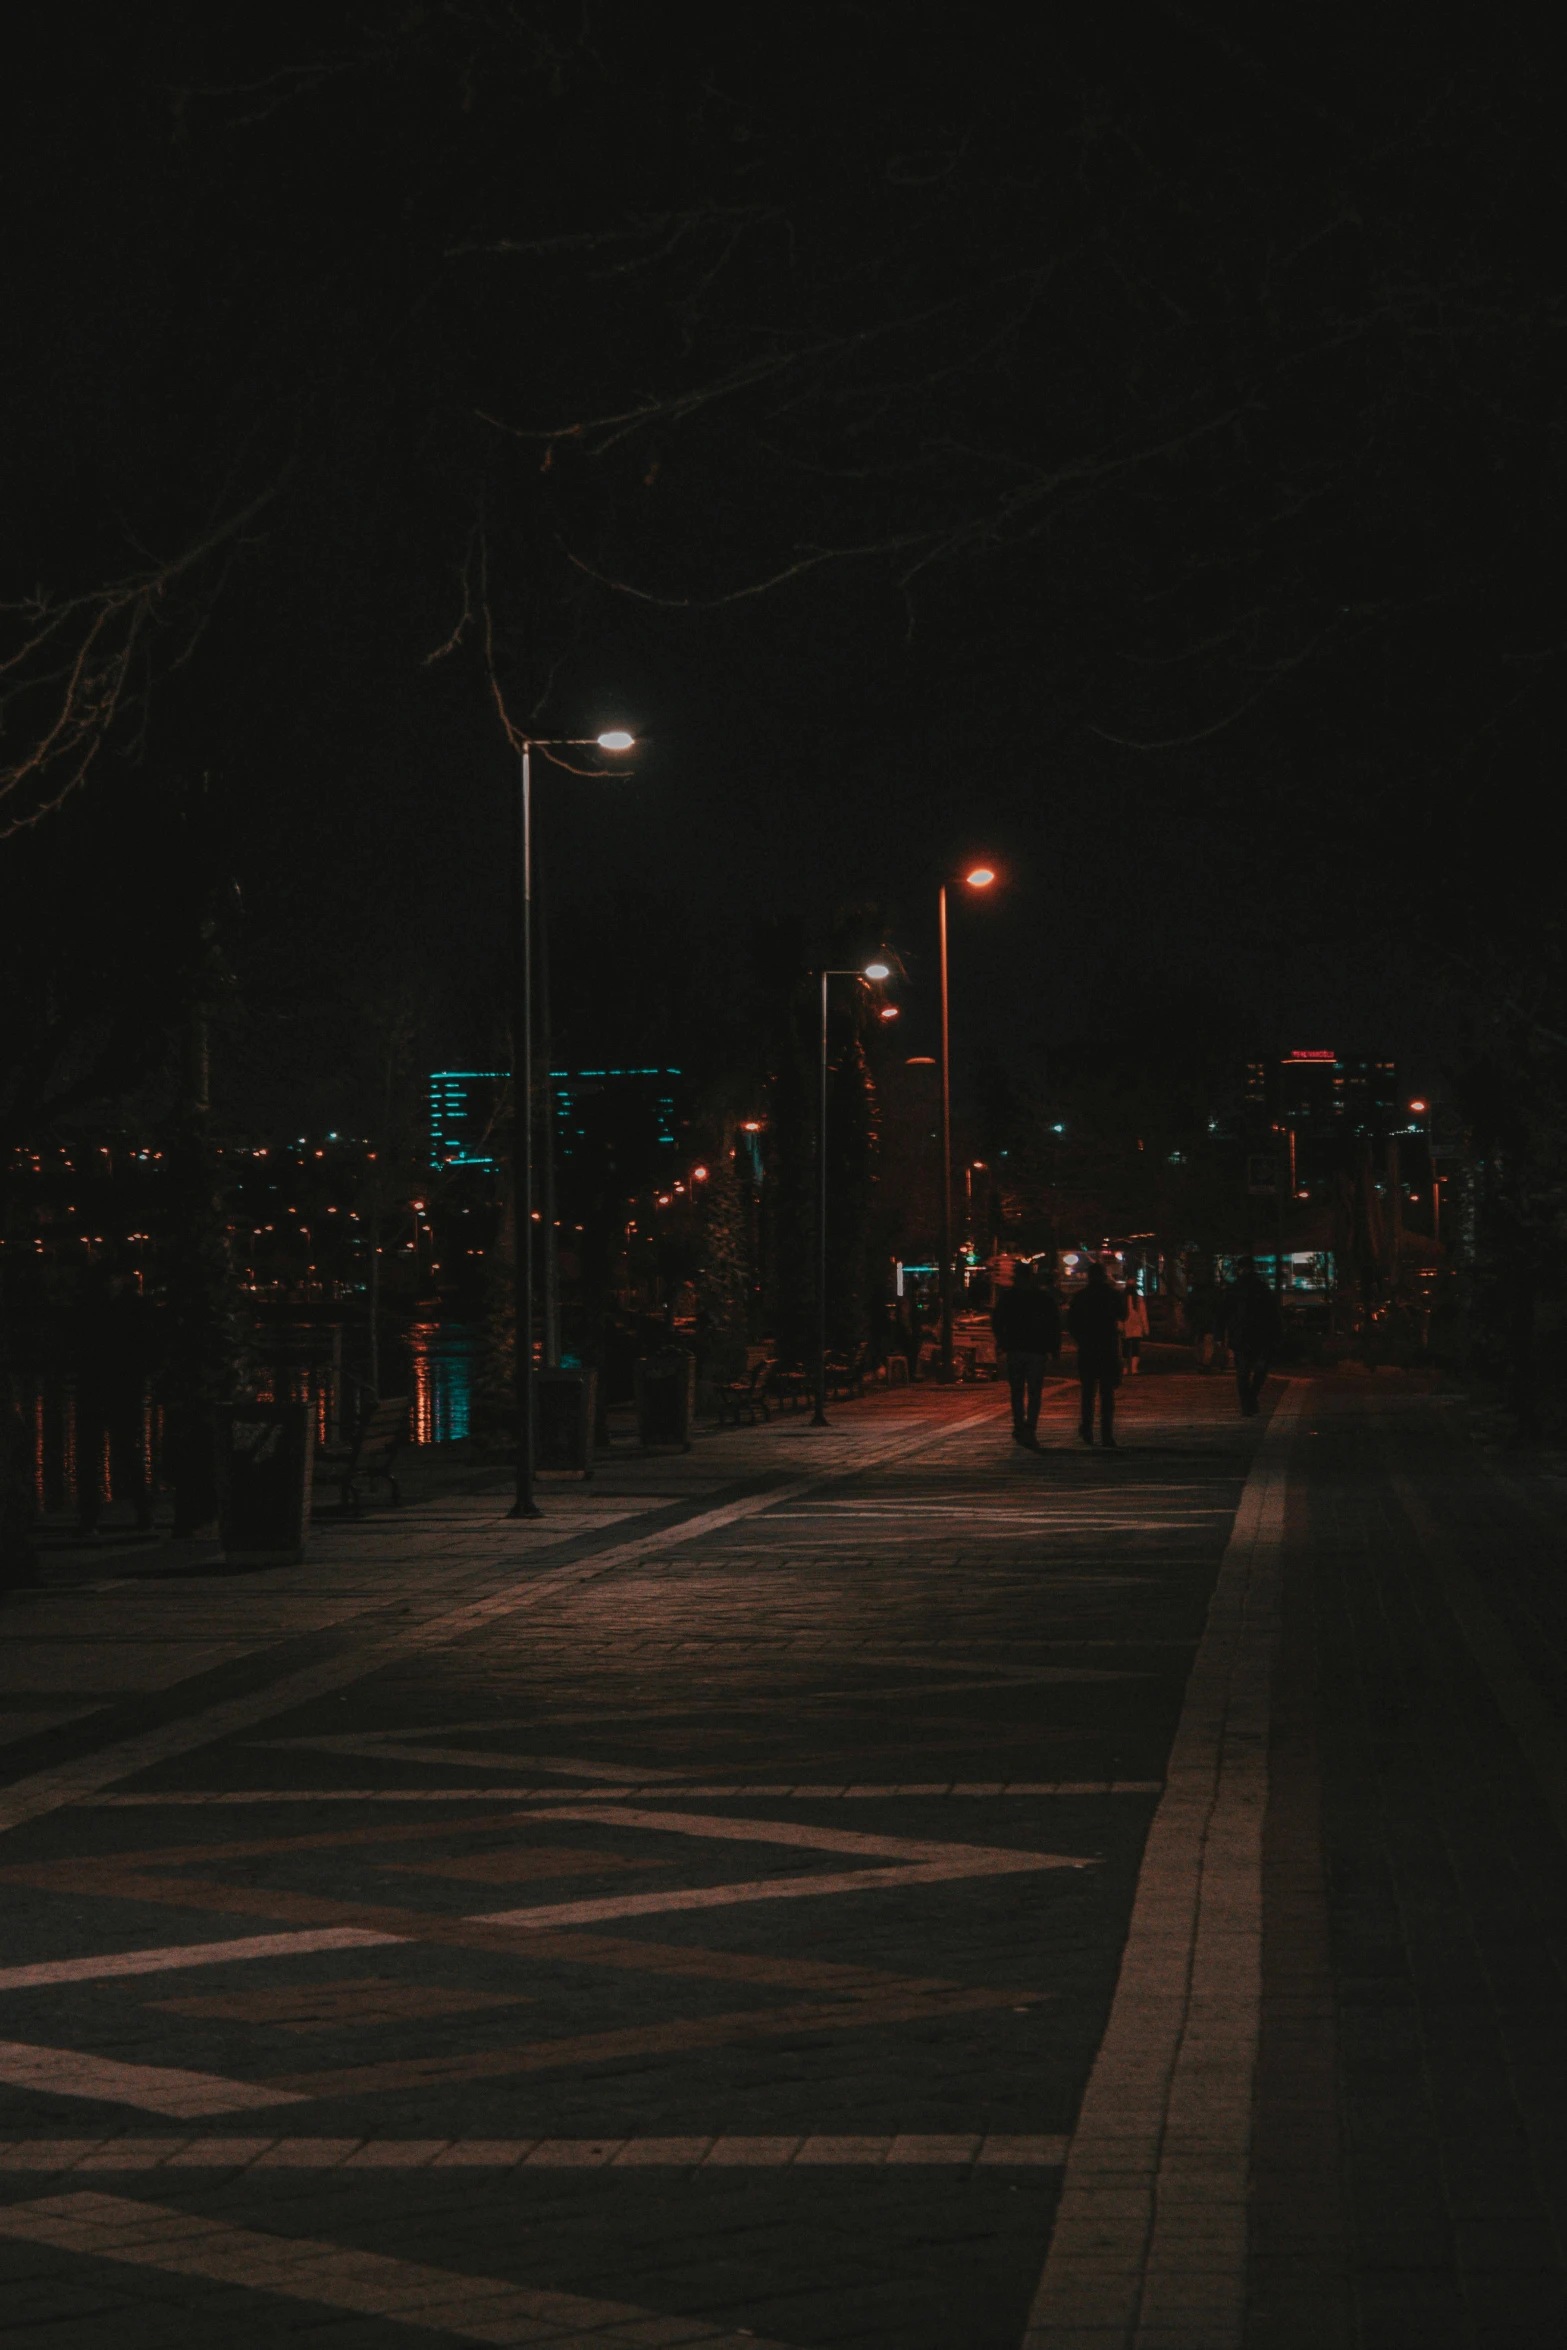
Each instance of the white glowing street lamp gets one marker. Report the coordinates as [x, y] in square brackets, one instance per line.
[615, 740]
[871, 971]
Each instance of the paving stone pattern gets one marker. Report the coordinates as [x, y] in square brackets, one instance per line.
[1428, 1901]
[698, 1917]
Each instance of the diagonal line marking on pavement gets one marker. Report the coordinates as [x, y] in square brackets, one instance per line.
[113, 1964]
[801, 1888]
[335, 1923]
[46, 1791]
[405, 2292]
[730, 2030]
[189, 2096]
[155, 2088]
[400, 1746]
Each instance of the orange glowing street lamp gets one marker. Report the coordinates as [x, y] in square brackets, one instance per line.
[976, 877]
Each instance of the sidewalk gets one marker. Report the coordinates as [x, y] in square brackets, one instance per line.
[876, 1887]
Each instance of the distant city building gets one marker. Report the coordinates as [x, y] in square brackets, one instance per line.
[463, 1108]
[624, 1106]
[1320, 1093]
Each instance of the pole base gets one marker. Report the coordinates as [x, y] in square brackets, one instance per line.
[819, 1419]
[525, 1509]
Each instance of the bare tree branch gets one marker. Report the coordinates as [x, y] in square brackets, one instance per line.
[104, 628]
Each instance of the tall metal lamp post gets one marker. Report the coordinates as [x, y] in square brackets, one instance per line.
[524, 1505]
[977, 877]
[868, 971]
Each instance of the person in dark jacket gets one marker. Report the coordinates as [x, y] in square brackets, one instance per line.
[1027, 1322]
[1253, 1325]
[1094, 1319]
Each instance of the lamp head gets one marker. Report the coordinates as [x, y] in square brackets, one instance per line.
[980, 876]
[617, 740]
[878, 970]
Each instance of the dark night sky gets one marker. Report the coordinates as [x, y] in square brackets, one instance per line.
[1181, 381]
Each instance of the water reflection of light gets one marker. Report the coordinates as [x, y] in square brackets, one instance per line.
[63, 1472]
[440, 1365]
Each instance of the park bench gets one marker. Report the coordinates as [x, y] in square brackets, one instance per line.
[846, 1374]
[372, 1453]
[790, 1388]
[746, 1398]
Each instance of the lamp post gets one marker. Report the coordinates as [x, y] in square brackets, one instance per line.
[977, 877]
[870, 971]
[524, 1505]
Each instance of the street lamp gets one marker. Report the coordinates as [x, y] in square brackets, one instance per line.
[867, 971]
[977, 877]
[524, 1505]
[972, 1168]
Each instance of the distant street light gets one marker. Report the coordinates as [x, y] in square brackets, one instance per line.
[977, 877]
[524, 1505]
[871, 971]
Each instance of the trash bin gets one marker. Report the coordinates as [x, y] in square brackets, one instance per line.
[666, 1400]
[266, 1456]
[563, 1422]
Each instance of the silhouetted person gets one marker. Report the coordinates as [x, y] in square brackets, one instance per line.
[1027, 1322]
[111, 1376]
[1094, 1319]
[1253, 1325]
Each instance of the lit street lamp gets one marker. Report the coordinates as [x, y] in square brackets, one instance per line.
[977, 877]
[524, 1505]
[870, 971]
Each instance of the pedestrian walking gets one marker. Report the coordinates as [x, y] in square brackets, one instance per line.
[1094, 1318]
[1135, 1328]
[1253, 1325]
[1027, 1322]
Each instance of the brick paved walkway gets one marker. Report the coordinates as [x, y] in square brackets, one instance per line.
[880, 1887]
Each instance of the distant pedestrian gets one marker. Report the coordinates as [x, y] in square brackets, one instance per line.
[1135, 1328]
[1253, 1325]
[1094, 1318]
[1027, 1322]
[111, 1376]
